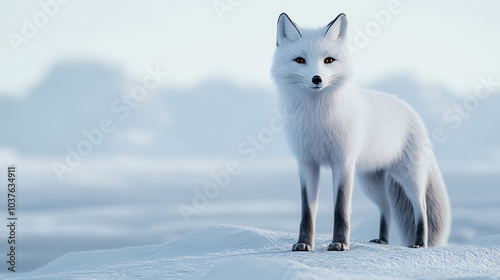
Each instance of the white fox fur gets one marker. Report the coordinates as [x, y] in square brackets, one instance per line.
[372, 134]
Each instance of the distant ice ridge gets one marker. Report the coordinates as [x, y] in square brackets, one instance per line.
[237, 252]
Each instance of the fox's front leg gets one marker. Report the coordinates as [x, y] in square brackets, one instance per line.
[309, 178]
[342, 211]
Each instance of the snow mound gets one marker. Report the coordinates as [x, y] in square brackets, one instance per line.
[223, 238]
[235, 252]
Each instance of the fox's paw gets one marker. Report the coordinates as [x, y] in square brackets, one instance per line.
[380, 241]
[337, 246]
[302, 247]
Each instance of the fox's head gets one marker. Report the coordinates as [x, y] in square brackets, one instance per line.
[311, 59]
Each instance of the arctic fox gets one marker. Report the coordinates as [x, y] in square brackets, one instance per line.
[373, 135]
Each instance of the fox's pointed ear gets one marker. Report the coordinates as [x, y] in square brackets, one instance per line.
[337, 29]
[287, 30]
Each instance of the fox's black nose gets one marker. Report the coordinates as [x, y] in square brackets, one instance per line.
[316, 80]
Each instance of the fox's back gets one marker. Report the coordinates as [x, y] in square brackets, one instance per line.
[390, 126]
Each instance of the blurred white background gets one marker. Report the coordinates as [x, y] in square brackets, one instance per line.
[66, 66]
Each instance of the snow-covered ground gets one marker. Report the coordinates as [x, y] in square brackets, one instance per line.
[235, 252]
[250, 203]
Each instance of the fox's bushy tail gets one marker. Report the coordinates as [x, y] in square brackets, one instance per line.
[438, 209]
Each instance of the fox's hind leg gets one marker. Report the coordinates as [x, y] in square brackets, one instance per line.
[408, 191]
[309, 179]
[374, 186]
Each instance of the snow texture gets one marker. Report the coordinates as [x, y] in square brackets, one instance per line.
[235, 252]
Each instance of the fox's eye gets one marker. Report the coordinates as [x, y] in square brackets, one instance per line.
[300, 60]
[329, 60]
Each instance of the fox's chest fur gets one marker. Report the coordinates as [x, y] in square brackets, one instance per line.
[318, 131]
[338, 128]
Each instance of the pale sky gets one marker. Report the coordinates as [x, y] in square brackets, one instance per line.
[447, 42]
